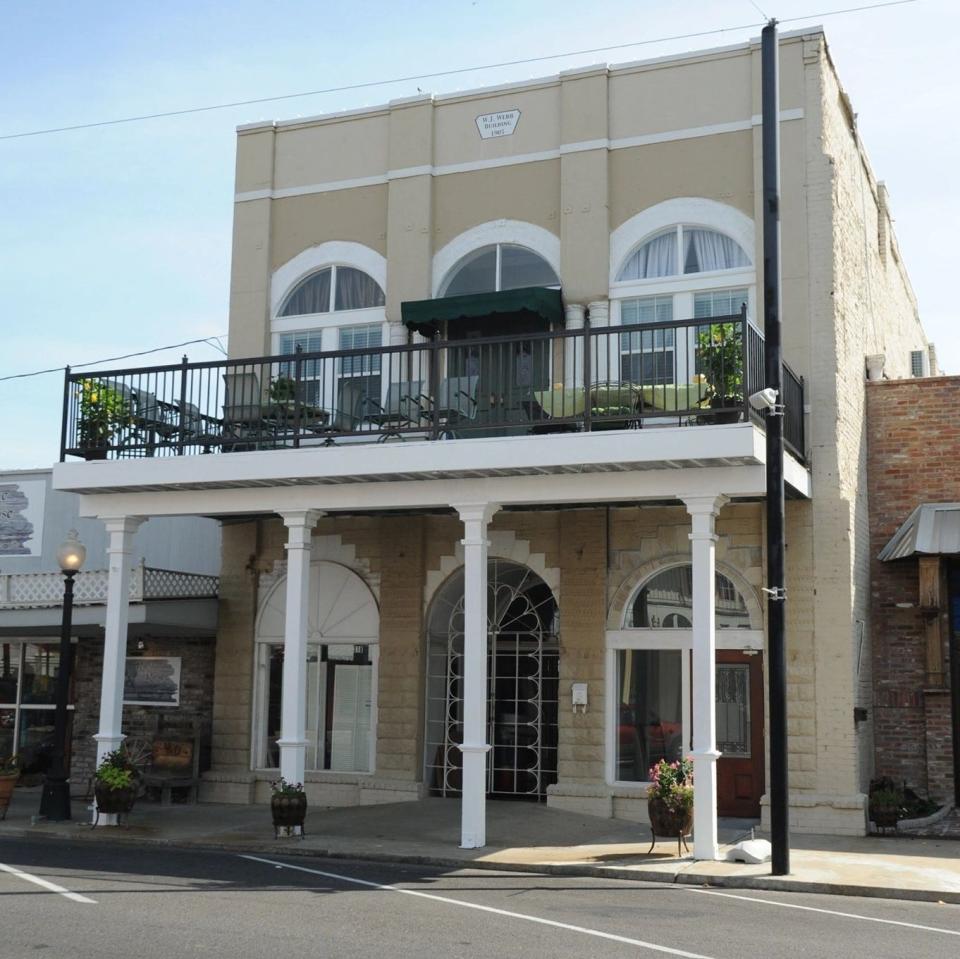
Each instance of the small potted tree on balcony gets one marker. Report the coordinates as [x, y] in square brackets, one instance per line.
[720, 361]
[104, 412]
[9, 774]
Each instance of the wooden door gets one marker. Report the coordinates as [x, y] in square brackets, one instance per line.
[739, 697]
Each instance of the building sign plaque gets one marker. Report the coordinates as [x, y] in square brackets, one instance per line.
[498, 124]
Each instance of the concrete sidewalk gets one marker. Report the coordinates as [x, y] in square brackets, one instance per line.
[525, 837]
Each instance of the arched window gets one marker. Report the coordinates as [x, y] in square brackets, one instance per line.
[683, 249]
[649, 672]
[665, 601]
[333, 288]
[499, 266]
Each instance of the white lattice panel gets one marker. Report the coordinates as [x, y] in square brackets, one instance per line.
[26, 590]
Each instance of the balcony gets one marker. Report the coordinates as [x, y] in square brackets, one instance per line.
[691, 374]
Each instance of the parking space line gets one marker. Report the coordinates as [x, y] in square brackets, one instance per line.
[827, 912]
[490, 909]
[46, 884]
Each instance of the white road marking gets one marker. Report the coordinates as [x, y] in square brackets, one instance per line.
[498, 912]
[46, 884]
[827, 912]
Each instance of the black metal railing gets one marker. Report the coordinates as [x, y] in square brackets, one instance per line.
[694, 372]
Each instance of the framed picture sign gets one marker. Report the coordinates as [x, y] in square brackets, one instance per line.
[152, 681]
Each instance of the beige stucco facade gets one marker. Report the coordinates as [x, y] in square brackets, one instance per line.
[599, 160]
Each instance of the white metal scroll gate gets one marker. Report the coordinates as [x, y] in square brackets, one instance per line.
[522, 671]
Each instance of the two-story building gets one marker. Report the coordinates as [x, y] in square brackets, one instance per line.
[490, 484]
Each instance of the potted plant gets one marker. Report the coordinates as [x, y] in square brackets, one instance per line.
[283, 391]
[288, 806]
[885, 805]
[116, 783]
[104, 412]
[9, 774]
[720, 361]
[670, 800]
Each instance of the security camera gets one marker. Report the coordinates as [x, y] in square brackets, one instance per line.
[764, 399]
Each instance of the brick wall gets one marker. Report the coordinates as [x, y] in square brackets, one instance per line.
[914, 458]
[140, 722]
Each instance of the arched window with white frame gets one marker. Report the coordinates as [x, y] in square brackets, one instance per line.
[326, 299]
[649, 669]
[683, 260]
[496, 267]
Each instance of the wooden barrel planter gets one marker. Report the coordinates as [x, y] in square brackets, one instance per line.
[668, 823]
[116, 802]
[289, 810]
[7, 782]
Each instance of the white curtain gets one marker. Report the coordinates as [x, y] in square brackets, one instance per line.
[311, 296]
[657, 257]
[356, 290]
[705, 250]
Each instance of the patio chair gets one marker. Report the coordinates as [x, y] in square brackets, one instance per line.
[243, 409]
[403, 409]
[455, 402]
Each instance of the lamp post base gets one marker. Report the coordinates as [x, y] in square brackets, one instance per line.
[55, 801]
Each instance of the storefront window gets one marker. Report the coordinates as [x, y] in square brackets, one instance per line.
[339, 706]
[650, 710]
[28, 682]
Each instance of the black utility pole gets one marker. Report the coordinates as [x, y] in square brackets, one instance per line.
[776, 591]
[55, 800]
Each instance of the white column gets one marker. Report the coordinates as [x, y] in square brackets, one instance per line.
[293, 708]
[703, 513]
[120, 530]
[604, 348]
[473, 813]
[573, 347]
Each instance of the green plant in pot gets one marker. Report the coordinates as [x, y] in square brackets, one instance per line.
[283, 391]
[720, 361]
[116, 783]
[885, 806]
[9, 774]
[670, 800]
[288, 807]
[104, 412]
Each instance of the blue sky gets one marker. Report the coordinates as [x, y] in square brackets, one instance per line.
[117, 239]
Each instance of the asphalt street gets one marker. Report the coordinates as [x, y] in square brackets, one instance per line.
[79, 900]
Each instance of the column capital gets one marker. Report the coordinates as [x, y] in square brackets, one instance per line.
[300, 518]
[573, 315]
[122, 524]
[599, 312]
[705, 505]
[476, 512]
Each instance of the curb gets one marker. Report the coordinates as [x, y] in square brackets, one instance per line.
[583, 870]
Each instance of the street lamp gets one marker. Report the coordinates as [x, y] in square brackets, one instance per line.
[55, 801]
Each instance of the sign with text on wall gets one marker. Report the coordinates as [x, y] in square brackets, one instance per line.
[501, 124]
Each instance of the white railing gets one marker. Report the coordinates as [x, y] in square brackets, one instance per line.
[24, 590]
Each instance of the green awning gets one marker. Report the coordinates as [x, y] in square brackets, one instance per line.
[425, 316]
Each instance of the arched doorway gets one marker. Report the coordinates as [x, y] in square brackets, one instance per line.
[522, 684]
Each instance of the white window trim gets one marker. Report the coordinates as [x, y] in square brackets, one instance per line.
[332, 253]
[657, 640]
[514, 232]
[685, 211]
[259, 712]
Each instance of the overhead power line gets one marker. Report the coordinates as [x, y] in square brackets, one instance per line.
[439, 73]
[213, 341]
